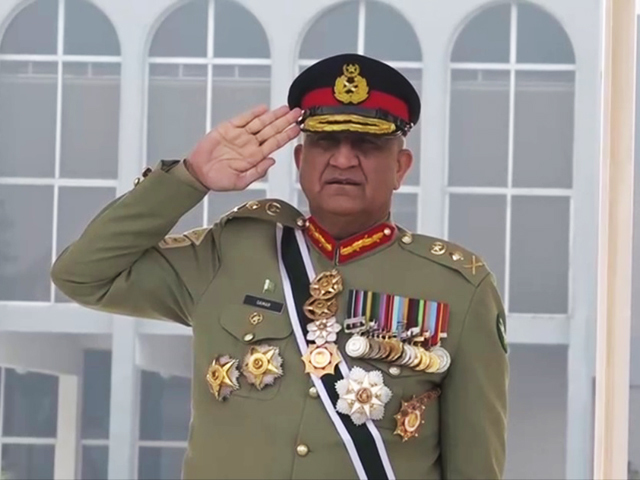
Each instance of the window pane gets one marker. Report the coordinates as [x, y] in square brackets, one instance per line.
[165, 407]
[485, 38]
[223, 202]
[404, 210]
[232, 96]
[88, 31]
[26, 220]
[237, 32]
[90, 113]
[34, 30]
[31, 405]
[29, 99]
[96, 394]
[479, 128]
[183, 33]
[537, 411]
[334, 32]
[34, 462]
[177, 112]
[413, 139]
[478, 223]
[160, 463]
[76, 208]
[95, 463]
[539, 255]
[541, 38]
[192, 219]
[399, 41]
[543, 133]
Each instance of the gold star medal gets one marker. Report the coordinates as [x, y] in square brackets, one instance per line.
[222, 377]
[262, 365]
[321, 359]
[410, 417]
[363, 395]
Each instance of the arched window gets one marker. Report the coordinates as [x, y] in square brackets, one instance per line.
[510, 154]
[209, 60]
[59, 94]
[355, 26]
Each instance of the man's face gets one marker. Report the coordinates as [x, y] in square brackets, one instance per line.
[350, 173]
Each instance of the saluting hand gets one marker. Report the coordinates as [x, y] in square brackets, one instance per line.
[237, 152]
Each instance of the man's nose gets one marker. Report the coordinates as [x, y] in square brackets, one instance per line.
[344, 156]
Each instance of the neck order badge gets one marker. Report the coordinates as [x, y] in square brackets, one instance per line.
[363, 443]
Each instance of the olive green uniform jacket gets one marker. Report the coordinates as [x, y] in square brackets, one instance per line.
[125, 263]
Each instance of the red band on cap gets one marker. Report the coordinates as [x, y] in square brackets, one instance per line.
[323, 97]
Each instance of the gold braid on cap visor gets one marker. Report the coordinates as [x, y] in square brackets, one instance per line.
[342, 122]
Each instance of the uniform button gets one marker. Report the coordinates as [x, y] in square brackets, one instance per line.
[313, 392]
[395, 371]
[248, 337]
[302, 450]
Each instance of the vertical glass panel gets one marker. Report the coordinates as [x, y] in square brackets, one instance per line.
[399, 41]
[177, 113]
[76, 208]
[156, 463]
[541, 38]
[34, 30]
[96, 394]
[25, 235]
[237, 32]
[88, 31]
[183, 33]
[479, 222]
[165, 407]
[232, 96]
[90, 114]
[29, 102]
[539, 255]
[543, 129]
[485, 38]
[95, 463]
[334, 32]
[537, 412]
[404, 210]
[192, 219]
[34, 462]
[413, 139]
[479, 128]
[223, 202]
[31, 405]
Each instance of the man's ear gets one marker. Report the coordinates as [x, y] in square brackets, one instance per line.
[403, 164]
[297, 155]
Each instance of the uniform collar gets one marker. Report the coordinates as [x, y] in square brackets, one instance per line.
[343, 251]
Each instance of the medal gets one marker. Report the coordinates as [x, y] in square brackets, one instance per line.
[222, 377]
[410, 417]
[320, 360]
[323, 331]
[262, 365]
[363, 395]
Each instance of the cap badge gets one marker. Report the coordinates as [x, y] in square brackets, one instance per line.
[351, 87]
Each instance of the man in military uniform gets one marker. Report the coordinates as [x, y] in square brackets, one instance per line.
[335, 346]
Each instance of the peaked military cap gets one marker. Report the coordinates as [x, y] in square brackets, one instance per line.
[351, 92]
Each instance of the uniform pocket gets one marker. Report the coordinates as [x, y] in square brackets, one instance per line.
[249, 326]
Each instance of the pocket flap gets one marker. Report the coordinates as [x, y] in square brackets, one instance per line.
[251, 324]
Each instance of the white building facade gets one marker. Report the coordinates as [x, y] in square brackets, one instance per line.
[506, 163]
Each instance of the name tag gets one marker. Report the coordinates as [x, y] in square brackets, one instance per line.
[258, 302]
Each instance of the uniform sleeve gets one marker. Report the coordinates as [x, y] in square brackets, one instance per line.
[474, 394]
[118, 266]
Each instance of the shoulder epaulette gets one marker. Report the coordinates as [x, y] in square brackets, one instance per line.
[446, 253]
[271, 210]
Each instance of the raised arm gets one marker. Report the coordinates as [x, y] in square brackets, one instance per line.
[122, 262]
